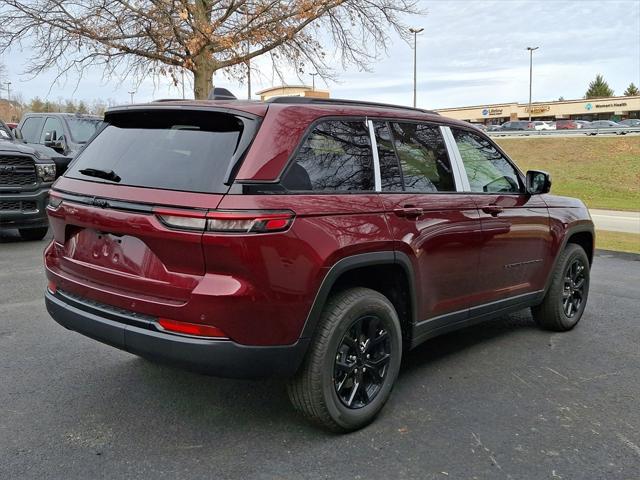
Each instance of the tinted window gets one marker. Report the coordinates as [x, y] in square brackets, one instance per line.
[54, 126]
[487, 169]
[30, 129]
[82, 129]
[423, 158]
[175, 150]
[336, 156]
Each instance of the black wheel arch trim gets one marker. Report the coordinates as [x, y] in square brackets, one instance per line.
[344, 265]
[570, 232]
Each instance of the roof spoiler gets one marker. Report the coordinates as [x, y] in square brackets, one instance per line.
[218, 93]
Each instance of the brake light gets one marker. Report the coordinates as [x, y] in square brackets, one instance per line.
[245, 221]
[52, 287]
[190, 328]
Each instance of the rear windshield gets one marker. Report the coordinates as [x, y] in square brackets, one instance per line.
[174, 150]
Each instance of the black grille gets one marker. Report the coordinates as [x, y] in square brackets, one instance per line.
[17, 170]
[18, 206]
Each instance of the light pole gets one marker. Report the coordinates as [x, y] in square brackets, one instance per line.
[531, 49]
[415, 32]
[8, 84]
[132, 94]
[313, 81]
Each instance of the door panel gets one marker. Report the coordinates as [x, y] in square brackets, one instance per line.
[443, 242]
[515, 245]
[435, 225]
[515, 225]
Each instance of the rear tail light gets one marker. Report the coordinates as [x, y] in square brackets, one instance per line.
[190, 328]
[51, 286]
[246, 221]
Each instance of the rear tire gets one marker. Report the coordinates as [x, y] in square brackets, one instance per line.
[32, 234]
[565, 301]
[352, 362]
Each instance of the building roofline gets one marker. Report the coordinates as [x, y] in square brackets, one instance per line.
[505, 104]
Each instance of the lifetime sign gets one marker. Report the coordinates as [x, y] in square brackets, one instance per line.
[488, 112]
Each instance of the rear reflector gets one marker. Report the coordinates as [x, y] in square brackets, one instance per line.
[190, 328]
[51, 286]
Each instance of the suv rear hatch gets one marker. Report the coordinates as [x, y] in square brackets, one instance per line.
[128, 216]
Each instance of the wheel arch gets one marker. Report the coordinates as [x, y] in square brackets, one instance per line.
[580, 234]
[388, 272]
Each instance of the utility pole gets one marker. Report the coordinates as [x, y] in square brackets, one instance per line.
[132, 94]
[8, 84]
[313, 81]
[531, 49]
[415, 32]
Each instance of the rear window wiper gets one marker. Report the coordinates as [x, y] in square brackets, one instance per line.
[96, 172]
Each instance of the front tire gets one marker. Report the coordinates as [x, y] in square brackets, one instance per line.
[565, 301]
[352, 363]
[32, 234]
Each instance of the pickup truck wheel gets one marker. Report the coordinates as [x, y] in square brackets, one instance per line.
[33, 233]
[566, 298]
[352, 363]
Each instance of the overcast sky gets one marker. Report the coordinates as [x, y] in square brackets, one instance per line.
[471, 52]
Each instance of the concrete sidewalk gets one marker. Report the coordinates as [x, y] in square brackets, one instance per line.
[616, 221]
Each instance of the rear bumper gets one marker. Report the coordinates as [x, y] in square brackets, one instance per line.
[223, 358]
[24, 216]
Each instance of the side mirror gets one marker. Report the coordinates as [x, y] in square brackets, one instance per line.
[49, 138]
[538, 182]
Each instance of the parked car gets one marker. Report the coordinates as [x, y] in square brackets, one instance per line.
[541, 125]
[631, 122]
[566, 124]
[517, 125]
[494, 128]
[608, 124]
[583, 124]
[11, 125]
[26, 174]
[66, 133]
[307, 238]
[480, 126]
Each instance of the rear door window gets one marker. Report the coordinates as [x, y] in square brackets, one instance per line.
[167, 149]
[335, 156]
[423, 158]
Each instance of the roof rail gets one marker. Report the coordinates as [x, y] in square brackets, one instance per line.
[338, 101]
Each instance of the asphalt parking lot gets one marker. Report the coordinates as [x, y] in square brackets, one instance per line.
[499, 400]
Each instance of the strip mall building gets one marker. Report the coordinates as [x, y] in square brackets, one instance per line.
[612, 108]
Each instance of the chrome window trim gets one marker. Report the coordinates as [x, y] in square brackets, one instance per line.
[459, 172]
[377, 176]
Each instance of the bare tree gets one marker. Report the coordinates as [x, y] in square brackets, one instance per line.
[140, 38]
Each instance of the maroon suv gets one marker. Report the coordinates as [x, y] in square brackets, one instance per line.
[315, 239]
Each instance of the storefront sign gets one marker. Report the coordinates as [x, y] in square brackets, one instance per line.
[492, 112]
[538, 109]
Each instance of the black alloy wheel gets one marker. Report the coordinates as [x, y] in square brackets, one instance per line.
[574, 283]
[361, 362]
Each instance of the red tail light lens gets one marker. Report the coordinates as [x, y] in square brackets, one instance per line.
[241, 221]
[190, 328]
[51, 286]
[249, 221]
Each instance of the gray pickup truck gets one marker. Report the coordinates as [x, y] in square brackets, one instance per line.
[26, 174]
